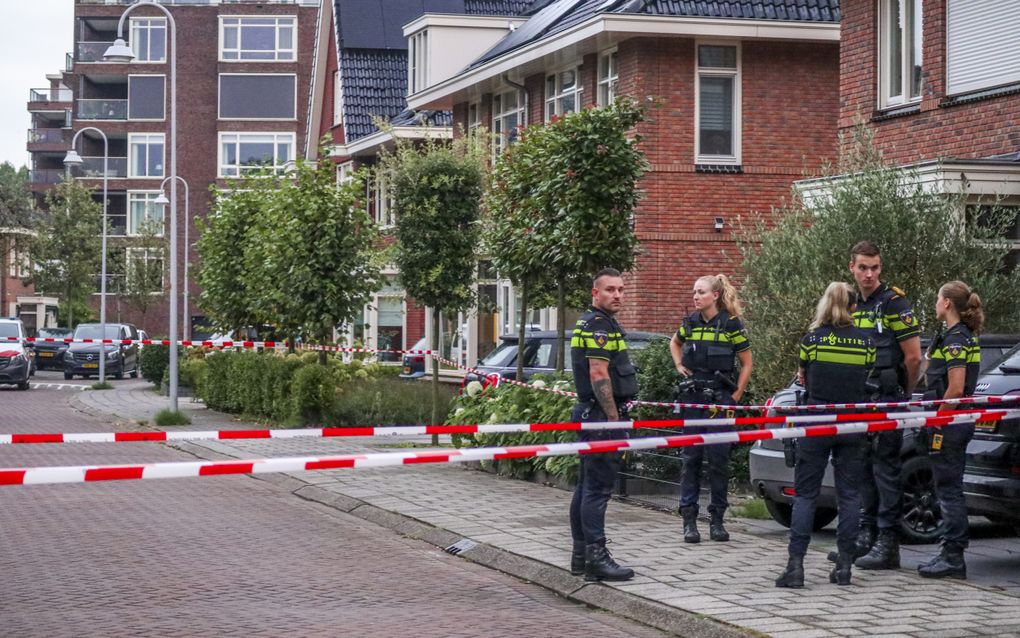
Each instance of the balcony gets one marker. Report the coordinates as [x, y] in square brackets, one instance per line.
[48, 139]
[45, 176]
[92, 168]
[92, 51]
[69, 62]
[102, 109]
[47, 99]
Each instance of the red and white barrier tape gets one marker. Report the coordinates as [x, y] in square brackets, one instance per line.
[496, 379]
[828, 407]
[92, 473]
[216, 344]
[485, 428]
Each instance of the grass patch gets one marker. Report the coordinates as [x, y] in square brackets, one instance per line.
[752, 508]
[164, 418]
[102, 385]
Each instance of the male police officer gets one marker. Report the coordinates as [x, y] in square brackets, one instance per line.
[605, 381]
[887, 316]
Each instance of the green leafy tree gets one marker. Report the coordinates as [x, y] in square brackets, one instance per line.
[927, 238]
[572, 185]
[67, 248]
[16, 216]
[437, 189]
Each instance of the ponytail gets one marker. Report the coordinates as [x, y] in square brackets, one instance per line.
[967, 304]
[728, 299]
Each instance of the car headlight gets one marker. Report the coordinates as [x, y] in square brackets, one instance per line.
[112, 354]
[68, 355]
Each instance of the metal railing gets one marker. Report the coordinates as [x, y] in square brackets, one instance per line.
[92, 51]
[102, 109]
[69, 62]
[47, 136]
[92, 167]
[45, 176]
[50, 95]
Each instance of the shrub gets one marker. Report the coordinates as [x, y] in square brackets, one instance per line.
[387, 401]
[154, 361]
[164, 418]
[193, 374]
[312, 392]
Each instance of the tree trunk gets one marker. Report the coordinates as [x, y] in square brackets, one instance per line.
[326, 334]
[435, 373]
[70, 309]
[3, 276]
[561, 323]
[522, 330]
[292, 344]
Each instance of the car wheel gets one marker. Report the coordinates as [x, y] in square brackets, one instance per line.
[24, 385]
[134, 373]
[922, 515]
[782, 513]
[68, 376]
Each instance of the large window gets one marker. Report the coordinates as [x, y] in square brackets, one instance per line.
[609, 77]
[474, 116]
[507, 115]
[562, 93]
[146, 154]
[982, 47]
[718, 104]
[148, 39]
[417, 62]
[144, 215]
[145, 267]
[146, 97]
[900, 51]
[242, 153]
[247, 96]
[244, 39]
[385, 213]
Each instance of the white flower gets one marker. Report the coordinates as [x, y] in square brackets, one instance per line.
[473, 388]
[538, 383]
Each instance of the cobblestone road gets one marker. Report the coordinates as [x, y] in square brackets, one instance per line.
[230, 556]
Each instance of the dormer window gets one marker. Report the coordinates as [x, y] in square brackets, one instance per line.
[417, 62]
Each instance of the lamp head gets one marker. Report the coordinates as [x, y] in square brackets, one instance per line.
[73, 159]
[119, 51]
[161, 199]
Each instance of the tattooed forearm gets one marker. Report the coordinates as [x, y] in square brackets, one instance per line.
[604, 395]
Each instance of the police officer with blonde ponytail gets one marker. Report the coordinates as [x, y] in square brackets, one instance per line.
[705, 350]
[955, 359]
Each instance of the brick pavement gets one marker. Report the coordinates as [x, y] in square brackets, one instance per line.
[232, 556]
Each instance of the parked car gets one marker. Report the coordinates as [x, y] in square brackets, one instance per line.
[539, 355]
[991, 481]
[121, 358]
[16, 356]
[414, 364]
[49, 355]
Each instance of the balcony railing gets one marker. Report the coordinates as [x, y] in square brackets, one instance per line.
[45, 176]
[92, 168]
[92, 51]
[102, 109]
[69, 62]
[49, 95]
[47, 136]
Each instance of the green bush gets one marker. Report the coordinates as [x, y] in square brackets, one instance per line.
[164, 418]
[312, 392]
[387, 401]
[154, 360]
[193, 374]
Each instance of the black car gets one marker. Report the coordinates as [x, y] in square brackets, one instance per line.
[49, 355]
[539, 355]
[121, 358]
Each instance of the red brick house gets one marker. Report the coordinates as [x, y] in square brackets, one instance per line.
[743, 101]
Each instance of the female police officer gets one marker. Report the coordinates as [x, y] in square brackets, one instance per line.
[955, 359]
[835, 359]
[704, 350]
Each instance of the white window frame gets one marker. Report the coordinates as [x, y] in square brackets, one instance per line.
[148, 24]
[130, 230]
[129, 259]
[345, 172]
[277, 51]
[736, 75]
[372, 312]
[132, 138]
[905, 61]
[500, 139]
[608, 76]
[385, 216]
[418, 62]
[219, 100]
[277, 135]
[552, 103]
[337, 99]
[146, 119]
[474, 116]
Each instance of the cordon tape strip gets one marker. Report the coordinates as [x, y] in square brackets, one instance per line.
[86, 473]
[215, 344]
[485, 428]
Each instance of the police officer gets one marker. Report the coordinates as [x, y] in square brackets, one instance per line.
[886, 315]
[955, 359]
[606, 381]
[704, 350]
[835, 360]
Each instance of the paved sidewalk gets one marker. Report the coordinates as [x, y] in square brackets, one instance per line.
[522, 528]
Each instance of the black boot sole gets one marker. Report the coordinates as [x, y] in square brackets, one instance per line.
[951, 575]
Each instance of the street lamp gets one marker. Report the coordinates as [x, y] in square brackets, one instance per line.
[71, 160]
[119, 51]
[162, 200]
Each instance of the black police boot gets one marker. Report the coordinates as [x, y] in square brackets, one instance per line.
[948, 564]
[577, 558]
[599, 565]
[840, 574]
[863, 544]
[716, 531]
[691, 533]
[940, 556]
[884, 555]
[793, 577]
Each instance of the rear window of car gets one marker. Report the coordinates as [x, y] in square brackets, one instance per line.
[51, 333]
[1010, 363]
[505, 353]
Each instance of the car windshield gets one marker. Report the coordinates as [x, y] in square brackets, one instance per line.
[54, 333]
[1010, 362]
[501, 356]
[8, 329]
[93, 331]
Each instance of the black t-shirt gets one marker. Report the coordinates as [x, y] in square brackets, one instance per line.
[836, 363]
[597, 335]
[957, 347]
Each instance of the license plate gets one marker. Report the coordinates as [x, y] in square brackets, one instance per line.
[407, 369]
[986, 426]
[45, 354]
[89, 366]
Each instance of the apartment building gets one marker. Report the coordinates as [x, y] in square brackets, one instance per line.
[246, 87]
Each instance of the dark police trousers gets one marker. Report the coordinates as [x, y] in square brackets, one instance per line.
[718, 456]
[596, 480]
[848, 451]
[881, 491]
[947, 466]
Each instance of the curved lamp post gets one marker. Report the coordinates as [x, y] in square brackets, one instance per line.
[121, 52]
[162, 200]
[71, 160]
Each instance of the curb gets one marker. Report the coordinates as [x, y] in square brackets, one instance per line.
[558, 580]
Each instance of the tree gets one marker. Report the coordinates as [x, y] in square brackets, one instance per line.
[16, 216]
[144, 285]
[67, 249]
[571, 186]
[437, 188]
[927, 238]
